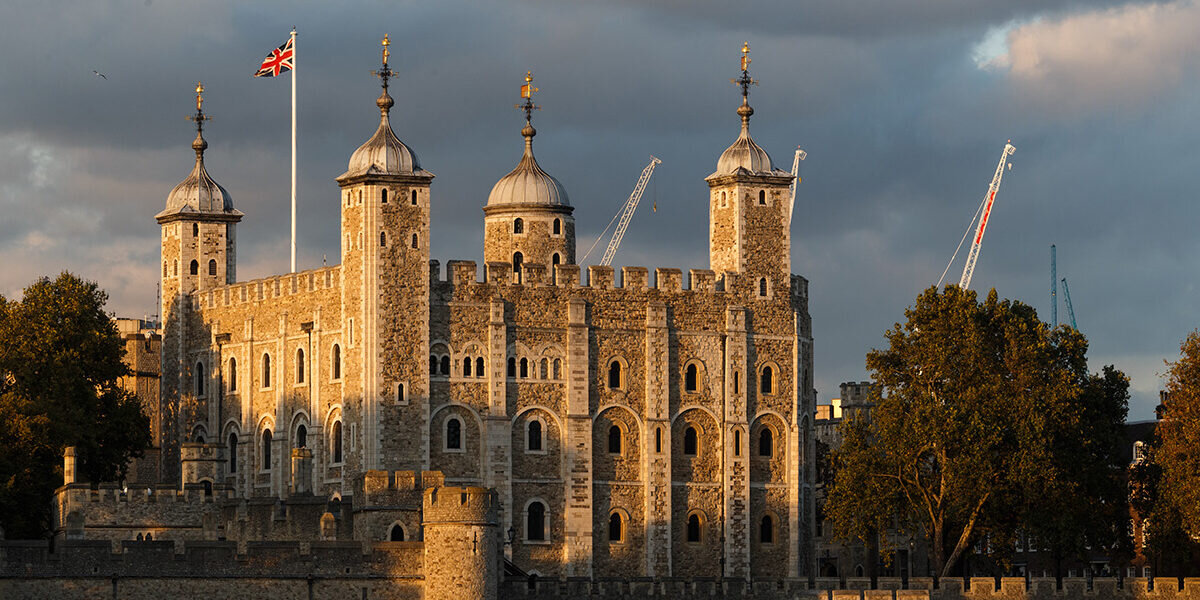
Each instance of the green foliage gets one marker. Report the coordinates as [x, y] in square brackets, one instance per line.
[60, 368]
[984, 422]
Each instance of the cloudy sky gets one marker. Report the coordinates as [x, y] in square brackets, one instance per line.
[902, 105]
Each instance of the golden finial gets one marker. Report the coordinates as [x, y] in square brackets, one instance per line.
[199, 95]
[745, 56]
[527, 90]
[386, 42]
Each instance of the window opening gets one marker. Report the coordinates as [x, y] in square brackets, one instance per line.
[400, 393]
[765, 442]
[534, 436]
[337, 361]
[615, 528]
[766, 530]
[512, 367]
[212, 266]
[545, 369]
[414, 240]
[266, 371]
[766, 385]
[454, 434]
[266, 449]
[535, 527]
[614, 374]
[689, 378]
[691, 441]
[524, 368]
[762, 197]
[466, 367]
[195, 229]
[383, 196]
[233, 443]
[383, 238]
[396, 534]
[433, 365]
[658, 439]
[736, 387]
[300, 365]
[301, 436]
[445, 365]
[335, 444]
[232, 374]
[195, 268]
[199, 379]
[558, 368]
[737, 442]
[557, 229]
[614, 439]
[479, 366]
[762, 287]
[414, 197]
[518, 225]
[693, 528]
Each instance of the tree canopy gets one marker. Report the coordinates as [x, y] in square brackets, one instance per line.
[1178, 453]
[60, 370]
[984, 420]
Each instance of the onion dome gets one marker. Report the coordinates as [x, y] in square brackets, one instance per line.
[528, 184]
[199, 193]
[744, 153]
[384, 153]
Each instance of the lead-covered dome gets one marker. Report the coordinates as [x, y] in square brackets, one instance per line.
[528, 184]
[384, 153]
[199, 193]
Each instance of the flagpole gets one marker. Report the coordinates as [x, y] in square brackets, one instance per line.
[293, 149]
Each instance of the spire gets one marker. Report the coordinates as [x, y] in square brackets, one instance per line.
[385, 101]
[528, 107]
[745, 81]
[384, 153]
[198, 193]
[199, 144]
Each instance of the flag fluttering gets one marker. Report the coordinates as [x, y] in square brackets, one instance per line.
[278, 61]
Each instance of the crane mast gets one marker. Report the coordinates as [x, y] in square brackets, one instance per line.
[1070, 309]
[800, 155]
[627, 215]
[969, 268]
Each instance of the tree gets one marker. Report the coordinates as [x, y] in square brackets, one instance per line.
[974, 401]
[60, 368]
[1179, 433]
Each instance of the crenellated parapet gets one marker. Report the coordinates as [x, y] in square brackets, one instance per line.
[269, 288]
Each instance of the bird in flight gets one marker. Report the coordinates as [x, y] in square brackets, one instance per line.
[99, 74]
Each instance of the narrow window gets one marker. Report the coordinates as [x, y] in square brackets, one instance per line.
[195, 268]
[466, 367]
[693, 528]
[445, 366]
[335, 442]
[533, 436]
[524, 368]
[766, 385]
[518, 260]
[199, 379]
[400, 397]
[762, 287]
[351, 333]
[433, 365]
[518, 225]
[557, 229]
[658, 439]
[512, 367]
[762, 197]
[232, 374]
[383, 196]
[615, 528]
[266, 449]
[765, 442]
[164, 275]
[195, 229]
[558, 368]
[176, 267]
[299, 365]
[766, 530]
[690, 441]
[737, 442]
[724, 202]
[453, 434]
[689, 378]
[207, 488]
[233, 453]
[554, 260]
[301, 436]
[414, 240]
[545, 369]
[479, 366]
[614, 374]
[414, 197]
[266, 371]
[139, 537]
[212, 266]
[337, 361]
[383, 239]
[396, 534]
[614, 440]
[736, 383]
[535, 522]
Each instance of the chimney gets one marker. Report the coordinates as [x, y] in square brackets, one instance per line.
[69, 465]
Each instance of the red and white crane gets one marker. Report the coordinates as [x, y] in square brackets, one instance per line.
[985, 210]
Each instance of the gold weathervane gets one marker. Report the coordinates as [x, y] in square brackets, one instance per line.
[745, 56]
[527, 91]
[199, 95]
[386, 42]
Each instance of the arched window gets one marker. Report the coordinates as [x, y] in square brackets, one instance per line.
[433, 365]
[689, 378]
[400, 397]
[616, 528]
[737, 442]
[693, 528]
[479, 366]
[512, 366]
[195, 229]
[518, 225]
[518, 260]
[544, 371]
[554, 260]
[766, 442]
[414, 197]
[691, 441]
[614, 440]
[762, 287]
[535, 522]
[414, 241]
[266, 371]
[266, 450]
[139, 537]
[766, 384]
[557, 229]
[453, 434]
[658, 439]
[199, 379]
[195, 268]
[233, 443]
[301, 436]
[383, 238]
[762, 196]
[466, 367]
[396, 534]
[212, 266]
[299, 365]
[766, 530]
[723, 200]
[232, 374]
[614, 374]
[524, 368]
[383, 196]
[445, 365]
[150, 538]
[558, 368]
[335, 442]
[337, 361]
[533, 436]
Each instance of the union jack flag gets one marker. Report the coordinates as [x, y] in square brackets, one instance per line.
[278, 61]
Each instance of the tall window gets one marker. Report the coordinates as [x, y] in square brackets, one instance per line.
[767, 381]
[535, 522]
[533, 436]
[433, 365]
[233, 453]
[691, 441]
[737, 442]
[466, 368]
[266, 371]
[199, 379]
[479, 366]
[557, 228]
[558, 368]
[512, 366]
[445, 365]
[301, 436]
[518, 260]
[195, 268]
[383, 196]
[453, 434]
[554, 260]
[658, 439]
[689, 378]
[337, 361]
[383, 238]
[400, 397]
[414, 241]
[212, 266]
[544, 371]
[765, 442]
[614, 374]
[414, 197]
[762, 287]
[766, 530]
[616, 528]
[518, 225]
[195, 229]
[232, 374]
[524, 368]
[266, 450]
[335, 442]
[614, 439]
[762, 197]
[736, 383]
[299, 365]
[693, 528]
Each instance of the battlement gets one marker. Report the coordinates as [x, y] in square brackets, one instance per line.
[470, 505]
[111, 493]
[267, 288]
[376, 482]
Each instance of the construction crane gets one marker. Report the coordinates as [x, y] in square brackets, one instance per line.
[1053, 286]
[627, 213]
[1070, 309]
[800, 155]
[982, 213]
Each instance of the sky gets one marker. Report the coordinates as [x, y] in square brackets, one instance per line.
[903, 108]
